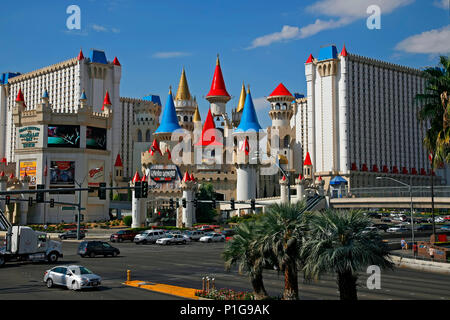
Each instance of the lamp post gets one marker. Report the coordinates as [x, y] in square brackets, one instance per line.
[411, 200]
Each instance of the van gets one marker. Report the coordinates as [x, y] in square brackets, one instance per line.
[148, 236]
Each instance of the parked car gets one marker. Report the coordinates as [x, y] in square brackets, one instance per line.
[386, 220]
[123, 235]
[425, 227]
[445, 227]
[73, 277]
[213, 237]
[381, 226]
[438, 219]
[398, 229]
[94, 248]
[206, 228]
[229, 233]
[149, 236]
[172, 239]
[194, 235]
[370, 229]
[71, 234]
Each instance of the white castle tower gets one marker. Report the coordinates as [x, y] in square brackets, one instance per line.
[218, 95]
[185, 105]
[246, 137]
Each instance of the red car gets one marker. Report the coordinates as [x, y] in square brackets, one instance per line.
[123, 235]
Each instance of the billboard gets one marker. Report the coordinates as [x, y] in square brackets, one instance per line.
[63, 136]
[163, 177]
[30, 137]
[62, 172]
[95, 138]
[96, 173]
[28, 167]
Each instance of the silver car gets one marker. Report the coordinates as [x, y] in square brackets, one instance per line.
[73, 277]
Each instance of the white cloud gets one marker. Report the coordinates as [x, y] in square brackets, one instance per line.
[443, 4]
[261, 103]
[170, 54]
[346, 12]
[99, 28]
[430, 42]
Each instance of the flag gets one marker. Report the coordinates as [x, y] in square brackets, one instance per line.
[246, 146]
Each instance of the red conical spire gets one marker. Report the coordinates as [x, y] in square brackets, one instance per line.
[4, 161]
[155, 147]
[300, 177]
[118, 161]
[106, 101]
[218, 84]
[208, 136]
[144, 178]
[116, 62]
[192, 178]
[186, 177]
[80, 55]
[344, 52]
[281, 91]
[307, 160]
[284, 178]
[319, 178]
[20, 96]
[2, 174]
[136, 177]
[11, 176]
[310, 59]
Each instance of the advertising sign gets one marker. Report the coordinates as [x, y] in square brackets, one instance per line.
[163, 177]
[28, 167]
[63, 136]
[95, 138]
[96, 173]
[30, 137]
[62, 172]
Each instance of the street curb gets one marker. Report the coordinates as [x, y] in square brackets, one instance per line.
[428, 266]
[182, 292]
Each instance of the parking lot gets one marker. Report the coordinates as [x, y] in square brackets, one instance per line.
[185, 265]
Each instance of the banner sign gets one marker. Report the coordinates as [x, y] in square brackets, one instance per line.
[96, 173]
[29, 137]
[28, 167]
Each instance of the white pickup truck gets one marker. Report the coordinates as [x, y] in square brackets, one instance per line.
[25, 244]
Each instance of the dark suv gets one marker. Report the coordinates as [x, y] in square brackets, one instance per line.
[94, 248]
[381, 226]
[123, 235]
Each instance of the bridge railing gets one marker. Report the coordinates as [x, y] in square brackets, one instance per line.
[417, 191]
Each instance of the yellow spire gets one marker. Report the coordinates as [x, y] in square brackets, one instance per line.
[248, 91]
[197, 115]
[170, 89]
[242, 99]
[183, 88]
[218, 61]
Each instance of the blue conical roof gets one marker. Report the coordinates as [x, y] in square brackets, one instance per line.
[249, 120]
[169, 119]
[45, 95]
[83, 96]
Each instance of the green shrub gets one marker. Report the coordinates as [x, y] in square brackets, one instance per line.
[128, 220]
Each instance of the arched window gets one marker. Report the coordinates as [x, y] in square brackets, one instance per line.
[284, 106]
[179, 118]
[286, 141]
[277, 106]
[185, 119]
[147, 136]
[139, 135]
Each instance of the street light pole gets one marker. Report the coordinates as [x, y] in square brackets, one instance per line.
[411, 201]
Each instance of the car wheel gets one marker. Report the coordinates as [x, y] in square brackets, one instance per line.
[222, 240]
[52, 257]
[209, 240]
[92, 255]
[49, 283]
[144, 242]
[184, 241]
[114, 254]
[2, 261]
[63, 238]
[75, 285]
[120, 240]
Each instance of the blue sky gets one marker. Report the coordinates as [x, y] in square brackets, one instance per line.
[260, 42]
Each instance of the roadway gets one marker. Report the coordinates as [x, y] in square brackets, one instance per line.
[185, 265]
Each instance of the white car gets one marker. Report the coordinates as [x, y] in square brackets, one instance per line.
[194, 235]
[398, 229]
[73, 277]
[171, 239]
[369, 229]
[149, 236]
[212, 237]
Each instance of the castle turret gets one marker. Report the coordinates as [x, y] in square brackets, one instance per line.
[218, 95]
[246, 144]
[184, 104]
[188, 187]
[237, 114]
[308, 172]
[169, 121]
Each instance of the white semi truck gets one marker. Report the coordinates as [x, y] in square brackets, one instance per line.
[25, 244]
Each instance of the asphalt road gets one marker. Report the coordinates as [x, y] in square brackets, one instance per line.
[185, 265]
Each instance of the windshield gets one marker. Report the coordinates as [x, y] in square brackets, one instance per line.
[169, 236]
[80, 270]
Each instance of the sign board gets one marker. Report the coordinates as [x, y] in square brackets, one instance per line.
[163, 177]
[28, 167]
[62, 172]
[30, 137]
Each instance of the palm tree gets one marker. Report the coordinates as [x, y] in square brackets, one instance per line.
[242, 251]
[435, 112]
[283, 227]
[336, 243]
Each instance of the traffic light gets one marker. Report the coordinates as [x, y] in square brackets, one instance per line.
[195, 203]
[40, 196]
[253, 204]
[171, 203]
[177, 203]
[214, 204]
[232, 204]
[52, 203]
[102, 191]
[138, 189]
[144, 189]
[30, 201]
[7, 200]
[184, 203]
